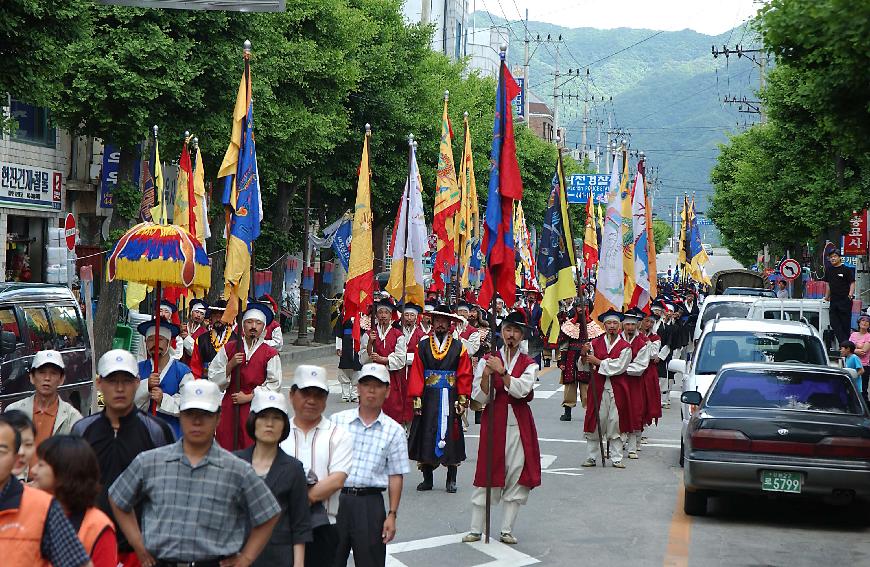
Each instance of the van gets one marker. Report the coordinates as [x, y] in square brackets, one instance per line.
[36, 317]
[816, 312]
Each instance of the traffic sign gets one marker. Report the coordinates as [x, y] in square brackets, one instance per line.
[69, 227]
[790, 269]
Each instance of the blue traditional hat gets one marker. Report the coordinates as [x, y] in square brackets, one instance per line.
[633, 315]
[259, 311]
[167, 330]
[609, 315]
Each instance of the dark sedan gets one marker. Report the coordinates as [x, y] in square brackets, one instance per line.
[792, 429]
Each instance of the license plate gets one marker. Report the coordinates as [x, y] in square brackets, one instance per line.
[781, 481]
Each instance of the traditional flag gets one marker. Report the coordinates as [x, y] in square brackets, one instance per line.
[410, 241]
[681, 255]
[447, 205]
[505, 187]
[526, 274]
[556, 262]
[627, 234]
[590, 237]
[241, 200]
[641, 296]
[468, 232]
[203, 231]
[359, 289]
[610, 285]
[651, 241]
[696, 256]
[152, 207]
[184, 212]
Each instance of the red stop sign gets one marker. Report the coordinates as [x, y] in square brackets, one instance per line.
[69, 227]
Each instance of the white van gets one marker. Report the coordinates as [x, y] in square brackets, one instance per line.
[816, 312]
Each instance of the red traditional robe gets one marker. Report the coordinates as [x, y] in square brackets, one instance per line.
[397, 405]
[271, 327]
[414, 340]
[201, 330]
[531, 475]
[652, 395]
[252, 374]
[618, 383]
[636, 386]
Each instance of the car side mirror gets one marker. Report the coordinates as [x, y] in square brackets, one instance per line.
[692, 398]
[7, 342]
[677, 366]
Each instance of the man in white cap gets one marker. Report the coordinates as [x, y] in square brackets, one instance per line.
[198, 500]
[50, 414]
[160, 390]
[608, 404]
[259, 367]
[120, 432]
[196, 326]
[380, 462]
[326, 453]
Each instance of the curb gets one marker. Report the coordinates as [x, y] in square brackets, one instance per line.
[303, 354]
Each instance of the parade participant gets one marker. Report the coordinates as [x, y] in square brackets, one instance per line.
[326, 453]
[662, 327]
[652, 407]
[348, 358]
[196, 326]
[516, 456]
[274, 336]
[532, 312]
[161, 389]
[259, 369]
[385, 344]
[220, 510]
[167, 313]
[67, 469]
[464, 331]
[268, 425]
[27, 450]
[33, 528]
[439, 385]
[575, 372]
[609, 392]
[636, 372]
[411, 329]
[210, 343]
[50, 414]
[120, 432]
[426, 318]
[380, 462]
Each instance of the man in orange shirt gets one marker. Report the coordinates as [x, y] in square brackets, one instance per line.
[50, 414]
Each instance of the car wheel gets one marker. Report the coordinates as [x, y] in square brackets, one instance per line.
[682, 452]
[694, 503]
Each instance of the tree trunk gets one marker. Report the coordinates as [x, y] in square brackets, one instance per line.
[378, 248]
[112, 293]
[323, 321]
[219, 260]
[282, 223]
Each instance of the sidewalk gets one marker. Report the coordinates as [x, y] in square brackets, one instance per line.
[291, 353]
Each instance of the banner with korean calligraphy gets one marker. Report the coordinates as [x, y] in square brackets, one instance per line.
[27, 187]
[855, 241]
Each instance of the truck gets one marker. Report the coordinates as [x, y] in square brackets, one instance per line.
[723, 279]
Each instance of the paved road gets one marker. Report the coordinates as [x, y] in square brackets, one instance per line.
[719, 260]
[611, 517]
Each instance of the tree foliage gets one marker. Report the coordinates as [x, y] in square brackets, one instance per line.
[662, 233]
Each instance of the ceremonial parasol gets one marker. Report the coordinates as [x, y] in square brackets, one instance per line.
[155, 254]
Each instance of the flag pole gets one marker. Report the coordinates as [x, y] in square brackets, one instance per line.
[407, 205]
[158, 292]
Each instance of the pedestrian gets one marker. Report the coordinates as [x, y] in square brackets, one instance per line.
[120, 432]
[159, 391]
[781, 289]
[385, 344]
[840, 293]
[259, 368]
[33, 528]
[609, 398]
[516, 457]
[268, 425]
[67, 468]
[348, 357]
[326, 453]
[27, 450]
[640, 360]
[380, 463]
[197, 325]
[211, 342]
[861, 338]
[200, 504]
[50, 414]
[440, 386]
[851, 360]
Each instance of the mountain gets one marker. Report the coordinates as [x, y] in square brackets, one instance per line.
[666, 91]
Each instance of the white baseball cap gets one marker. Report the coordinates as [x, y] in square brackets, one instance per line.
[44, 357]
[118, 360]
[374, 370]
[309, 376]
[265, 400]
[202, 395]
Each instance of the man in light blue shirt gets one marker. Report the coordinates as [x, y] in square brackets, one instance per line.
[380, 460]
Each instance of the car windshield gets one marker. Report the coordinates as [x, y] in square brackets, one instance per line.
[753, 291]
[777, 389]
[739, 309]
[723, 347]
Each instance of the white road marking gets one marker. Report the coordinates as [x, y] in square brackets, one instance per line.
[502, 555]
[547, 394]
[570, 471]
[547, 460]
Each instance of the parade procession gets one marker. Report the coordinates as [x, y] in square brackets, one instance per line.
[343, 283]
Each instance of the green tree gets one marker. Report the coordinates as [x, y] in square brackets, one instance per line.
[662, 233]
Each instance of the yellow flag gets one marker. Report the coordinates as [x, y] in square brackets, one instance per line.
[359, 288]
[469, 212]
[158, 212]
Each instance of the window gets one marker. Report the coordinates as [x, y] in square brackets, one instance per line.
[785, 390]
[9, 322]
[738, 309]
[40, 330]
[744, 346]
[67, 327]
[32, 124]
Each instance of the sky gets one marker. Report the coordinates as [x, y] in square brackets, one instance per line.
[711, 17]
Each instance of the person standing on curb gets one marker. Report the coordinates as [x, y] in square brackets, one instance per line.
[841, 292]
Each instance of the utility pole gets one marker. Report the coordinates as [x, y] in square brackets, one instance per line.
[585, 114]
[526, 71]
[304, 294]
[746, 106]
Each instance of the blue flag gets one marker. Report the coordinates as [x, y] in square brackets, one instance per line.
[341, 243]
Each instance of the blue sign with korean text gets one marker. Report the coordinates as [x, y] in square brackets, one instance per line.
[581, 184]
[109, 178]
[520, 100]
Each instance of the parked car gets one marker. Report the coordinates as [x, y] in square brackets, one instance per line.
[724, 341]
[722, 306]
[783, 429]
[751, 291]
[816, 312]
[36, 317]
[708, 248]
